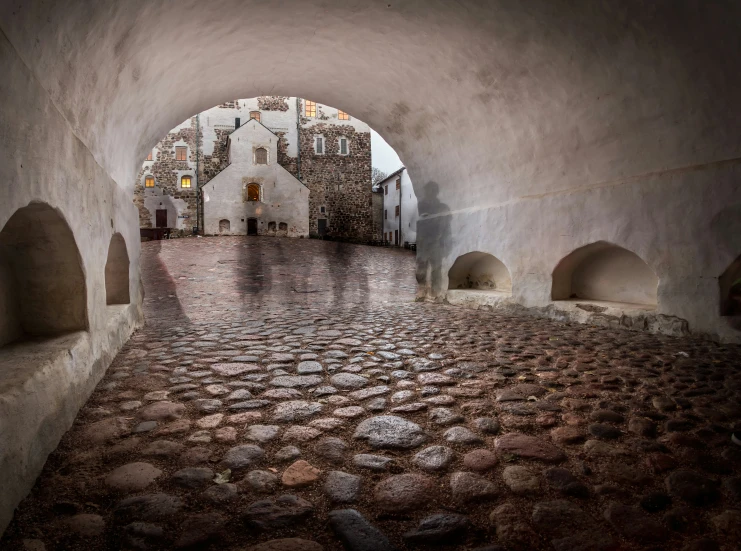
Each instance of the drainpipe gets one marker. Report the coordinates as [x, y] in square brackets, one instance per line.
[198, 179]
[401, 237]
[298, 137]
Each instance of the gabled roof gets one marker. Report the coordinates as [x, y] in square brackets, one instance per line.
[247, 124]
[392, 175]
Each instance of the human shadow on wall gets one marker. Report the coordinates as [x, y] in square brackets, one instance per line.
[433, 240]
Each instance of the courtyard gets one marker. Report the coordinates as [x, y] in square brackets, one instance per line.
[294, 390]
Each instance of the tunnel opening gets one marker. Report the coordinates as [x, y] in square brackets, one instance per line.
[42, 284]
[117, 272]
[604, 272]
[479, 271]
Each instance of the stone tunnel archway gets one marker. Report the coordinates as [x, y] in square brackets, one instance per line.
[42, 284]
[117, 272]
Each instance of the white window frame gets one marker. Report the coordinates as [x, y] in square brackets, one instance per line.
[347, 146]
[317, 139]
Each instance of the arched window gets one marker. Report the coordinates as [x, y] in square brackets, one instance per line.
[261, 156]
[283, 226]
[185, 182]
[149, 181]
[255, 115]
[253, 192]
[271, 226]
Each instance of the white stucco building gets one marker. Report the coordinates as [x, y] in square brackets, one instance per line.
[399, 208]
[254, 195]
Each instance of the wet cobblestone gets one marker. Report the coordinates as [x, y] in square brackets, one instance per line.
[279, 383]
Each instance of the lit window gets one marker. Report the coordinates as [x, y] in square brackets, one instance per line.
[149, 157]
[253, 192]
[398, 183]
[310, 109]
[261, 156]
[149, 181]
[185, 181]
[342, 115]
[343, 146]
[181, 153]
[255, 115]
[319, 145]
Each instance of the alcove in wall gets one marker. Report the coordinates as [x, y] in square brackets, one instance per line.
[730, 289]
[42, 284]
[224, 226]
[479, 271]
[117, 272]
[605, 272]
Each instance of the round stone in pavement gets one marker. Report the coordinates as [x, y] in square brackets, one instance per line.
[300, 473]
[283, 511]
[442, 528]
[342, 487]
[309, 367]
[132, 477]
[348, 381]
[287, 544]
[200, 528]
[557, 518]
[605, 432]
[372, 462]
[471, 487]
[480, 460]
[461, 435]
[404, 492]
[295, 410]
[242, 456]
[287, 453]
[261, 481]
[221, 493]
[331, 448]
[161, 411]
[529, 447]
[564, 481]
[261, 433]
[434, 458]
[521, 480]
[193, 477]
[692, 487]
[147, 507]
[487, 425]
[388, 431]
[634, 524]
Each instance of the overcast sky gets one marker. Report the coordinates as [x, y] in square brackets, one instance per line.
[383, 155]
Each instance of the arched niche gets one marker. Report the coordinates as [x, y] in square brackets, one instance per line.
[730, 289]
[480, 271]
[605, 272]
[224, 225]
[117, 272]
[42, 284]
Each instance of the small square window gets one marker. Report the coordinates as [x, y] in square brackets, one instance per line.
[149, 181]
[322, 209]
[341, 115]
[185, 182]
[181, 153]
[310, 109]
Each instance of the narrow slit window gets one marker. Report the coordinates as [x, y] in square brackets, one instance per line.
[341, 115]
[149, 181]
[181, 153]
[397, 210]
[185, 182]
[385, 190]
[310, 109]
[398, 183]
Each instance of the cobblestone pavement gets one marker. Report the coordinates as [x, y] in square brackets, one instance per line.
[293, 390]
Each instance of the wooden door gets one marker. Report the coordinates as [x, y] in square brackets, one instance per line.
[161, 217]
[322, 226]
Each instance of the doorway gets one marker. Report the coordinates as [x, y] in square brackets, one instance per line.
[161, 218]
[322, 226]
[396, 237]
[252, 226]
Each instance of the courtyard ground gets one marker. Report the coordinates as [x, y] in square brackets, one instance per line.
[293, 389]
